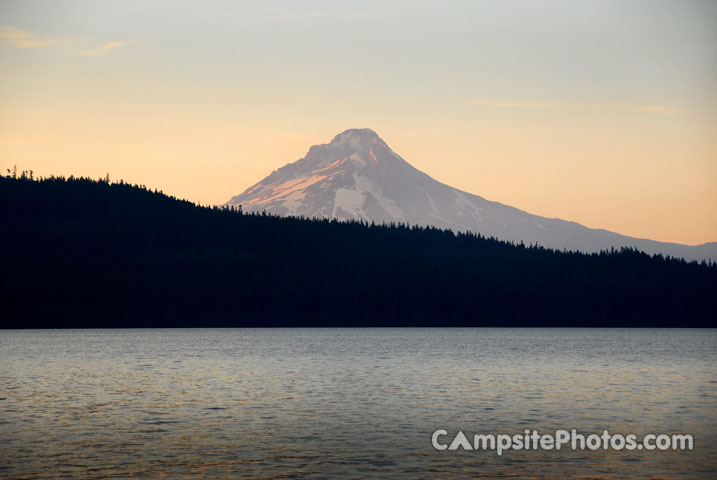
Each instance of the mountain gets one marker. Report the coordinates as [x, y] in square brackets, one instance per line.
[358, 176]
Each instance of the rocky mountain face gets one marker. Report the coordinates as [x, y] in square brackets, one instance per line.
[358, 176]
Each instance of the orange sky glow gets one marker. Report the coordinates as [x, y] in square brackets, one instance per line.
[592, 111]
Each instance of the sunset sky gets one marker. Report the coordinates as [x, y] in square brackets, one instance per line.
[602, 112]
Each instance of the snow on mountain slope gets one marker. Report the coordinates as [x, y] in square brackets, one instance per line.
[357, 176]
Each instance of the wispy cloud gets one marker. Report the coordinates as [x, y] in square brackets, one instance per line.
[22, 39]
[490, 102]
[107, 47]
[629, 107]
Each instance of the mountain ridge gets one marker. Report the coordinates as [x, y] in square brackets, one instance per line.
[358, 176]
[83, 253]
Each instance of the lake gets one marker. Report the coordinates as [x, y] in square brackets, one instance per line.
[356, 403]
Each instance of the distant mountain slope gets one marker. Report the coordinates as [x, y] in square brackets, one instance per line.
[357, 176]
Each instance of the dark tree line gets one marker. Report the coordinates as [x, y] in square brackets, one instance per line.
[84, 253]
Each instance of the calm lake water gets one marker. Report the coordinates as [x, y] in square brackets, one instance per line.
[357, 403]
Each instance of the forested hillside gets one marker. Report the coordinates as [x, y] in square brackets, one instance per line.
[85, 253]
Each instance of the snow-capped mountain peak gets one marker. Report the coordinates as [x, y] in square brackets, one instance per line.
[343, 179]
[356, 138]
[358, 176]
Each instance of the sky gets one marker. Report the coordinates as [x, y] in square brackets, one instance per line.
[602, 112]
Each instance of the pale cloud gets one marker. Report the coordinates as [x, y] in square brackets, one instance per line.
[97, 52]
[490, 102]
[22, 39]
[630, 107]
